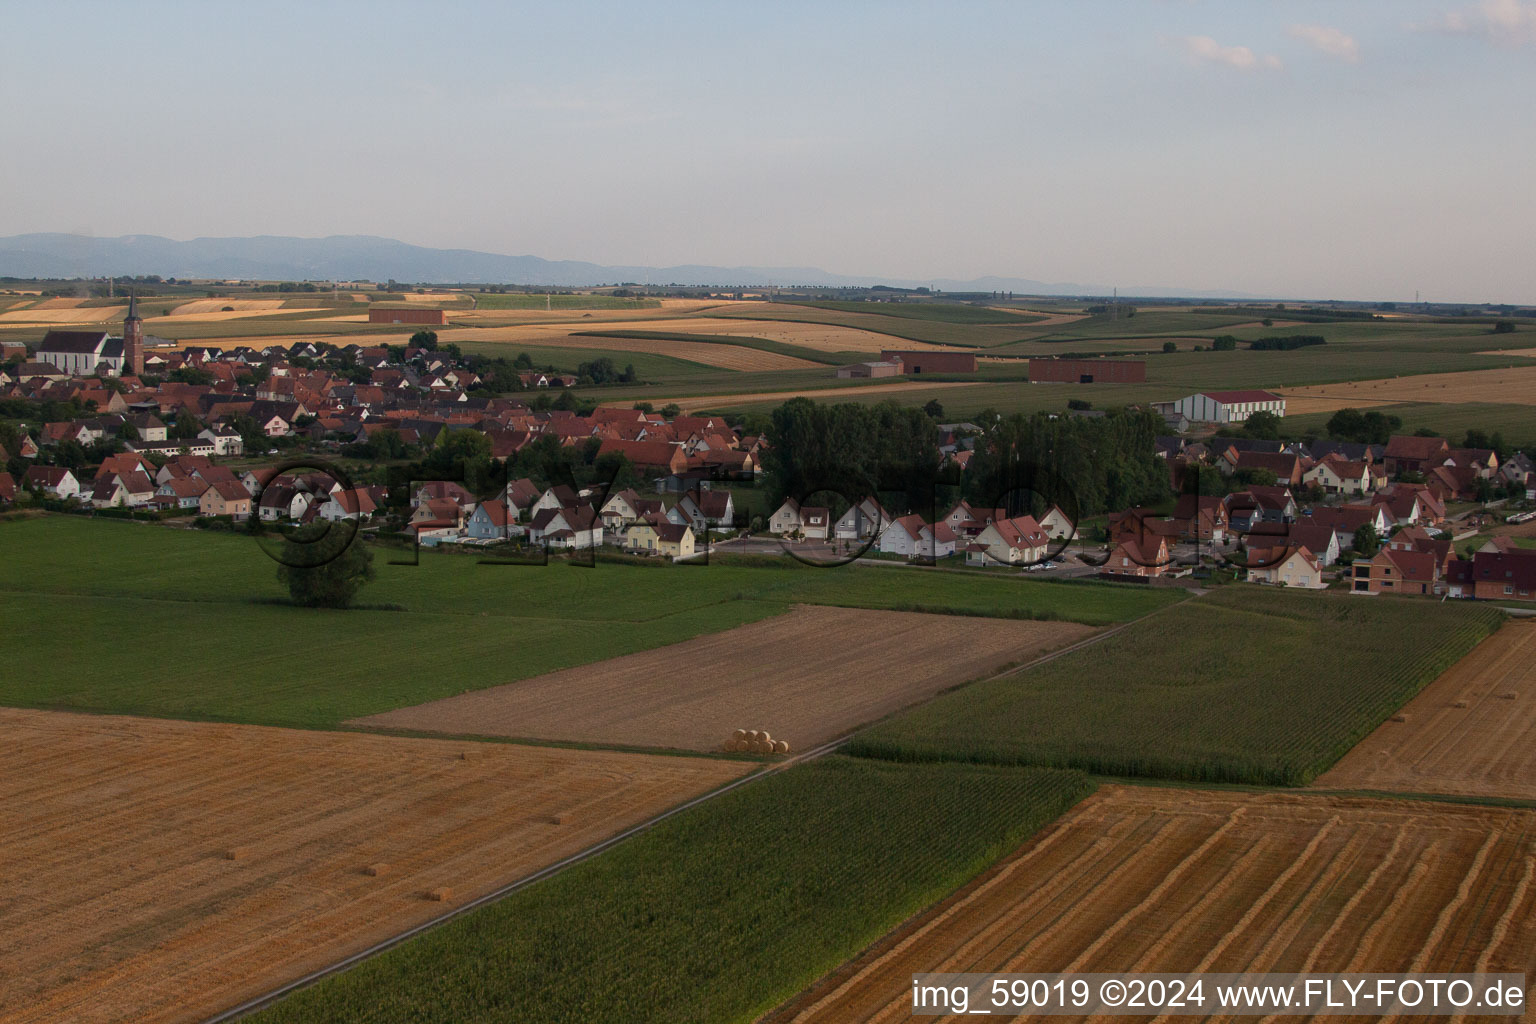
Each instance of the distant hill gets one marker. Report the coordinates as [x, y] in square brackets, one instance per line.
[366, 257]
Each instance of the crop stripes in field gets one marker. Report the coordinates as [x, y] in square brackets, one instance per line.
[268, 998]
[272, 996]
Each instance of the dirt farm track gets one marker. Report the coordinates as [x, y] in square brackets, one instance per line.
[806, 677]
[1472, 731]
[1145, 880]
[164, 871]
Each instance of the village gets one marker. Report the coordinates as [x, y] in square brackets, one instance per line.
[221, 436]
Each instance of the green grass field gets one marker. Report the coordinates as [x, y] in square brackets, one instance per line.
[141, 619]
[1246, 685]
[718, 914]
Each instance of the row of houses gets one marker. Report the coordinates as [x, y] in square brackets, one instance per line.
[983, 535]
[563, 518]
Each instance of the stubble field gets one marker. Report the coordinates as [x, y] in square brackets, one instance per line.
[805, 677]
[164, 871]
[1150, 880]
[1470, 732]
[1511, 385]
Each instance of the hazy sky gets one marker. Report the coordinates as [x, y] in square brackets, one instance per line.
[1285, 147]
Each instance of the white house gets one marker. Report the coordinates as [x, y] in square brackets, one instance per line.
[1020, 540]
[1056, 524]
[1286, 567]
[911, 537]
[577, 527]
[786, 519]
[862, 521]
[707, 510]
[1337, 475]
[225, 440]
[1228, 406]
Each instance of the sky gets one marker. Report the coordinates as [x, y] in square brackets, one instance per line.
[1361, 150]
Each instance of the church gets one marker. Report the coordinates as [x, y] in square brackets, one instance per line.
[96, 353]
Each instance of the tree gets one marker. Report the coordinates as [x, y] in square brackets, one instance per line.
[1366, 542]
[523, 361]
[671, 411]
[1263, 424]
[1504, 327]
[424, 339]
[1224, 343]
[1169, 346]
[933, 410]
[326, 568]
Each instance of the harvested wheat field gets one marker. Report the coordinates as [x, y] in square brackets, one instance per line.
[821, 337]
[1137, 879]
[805, 677]
[726, 401]
[217, 305]
[1471, 732]
[67, 315]
[726, 357]
[218, 315]
[1513, 385]
[164, 871]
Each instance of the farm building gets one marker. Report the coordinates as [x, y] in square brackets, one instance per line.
[876, 368]
[1227, 406]
[437, 317]
[1089, 371]
[931, 362]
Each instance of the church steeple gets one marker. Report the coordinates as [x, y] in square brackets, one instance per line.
[133, 338]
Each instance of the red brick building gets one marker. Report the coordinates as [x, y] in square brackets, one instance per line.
[932, 361]
[434, 317]
[1089, 371]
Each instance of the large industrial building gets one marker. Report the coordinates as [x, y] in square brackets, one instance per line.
[1225, 406]
[1089, 371]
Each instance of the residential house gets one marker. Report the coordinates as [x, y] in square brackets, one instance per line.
[1321, 541]
[226, 498]
[1149, 556]
[1504, 576]
[1201, 518]
[863, 520]
[1017, 541]
[1396, 571]
[356, 503]
[786, 518]
[490, 521]
[1057, 525]
[183, 492]
[1413, 454]
[577, 527]
[7, 488]
[54, 481]
[1344, 520]
[1291, 565]
[911, 537]
[1335, 474]
[708, 510]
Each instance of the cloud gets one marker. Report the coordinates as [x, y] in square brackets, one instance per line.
[1331, 41]
[1240, 57]
[1506, 22]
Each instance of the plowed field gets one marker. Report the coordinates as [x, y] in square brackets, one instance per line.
[805, 677]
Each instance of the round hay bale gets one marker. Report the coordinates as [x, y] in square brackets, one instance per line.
[759, 747]
[765, 737]
[753, 735]
[739, 734]
[1400, 718]
[781, 746]
[1459, 704]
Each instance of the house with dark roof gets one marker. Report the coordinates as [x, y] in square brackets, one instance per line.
[82, 353]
